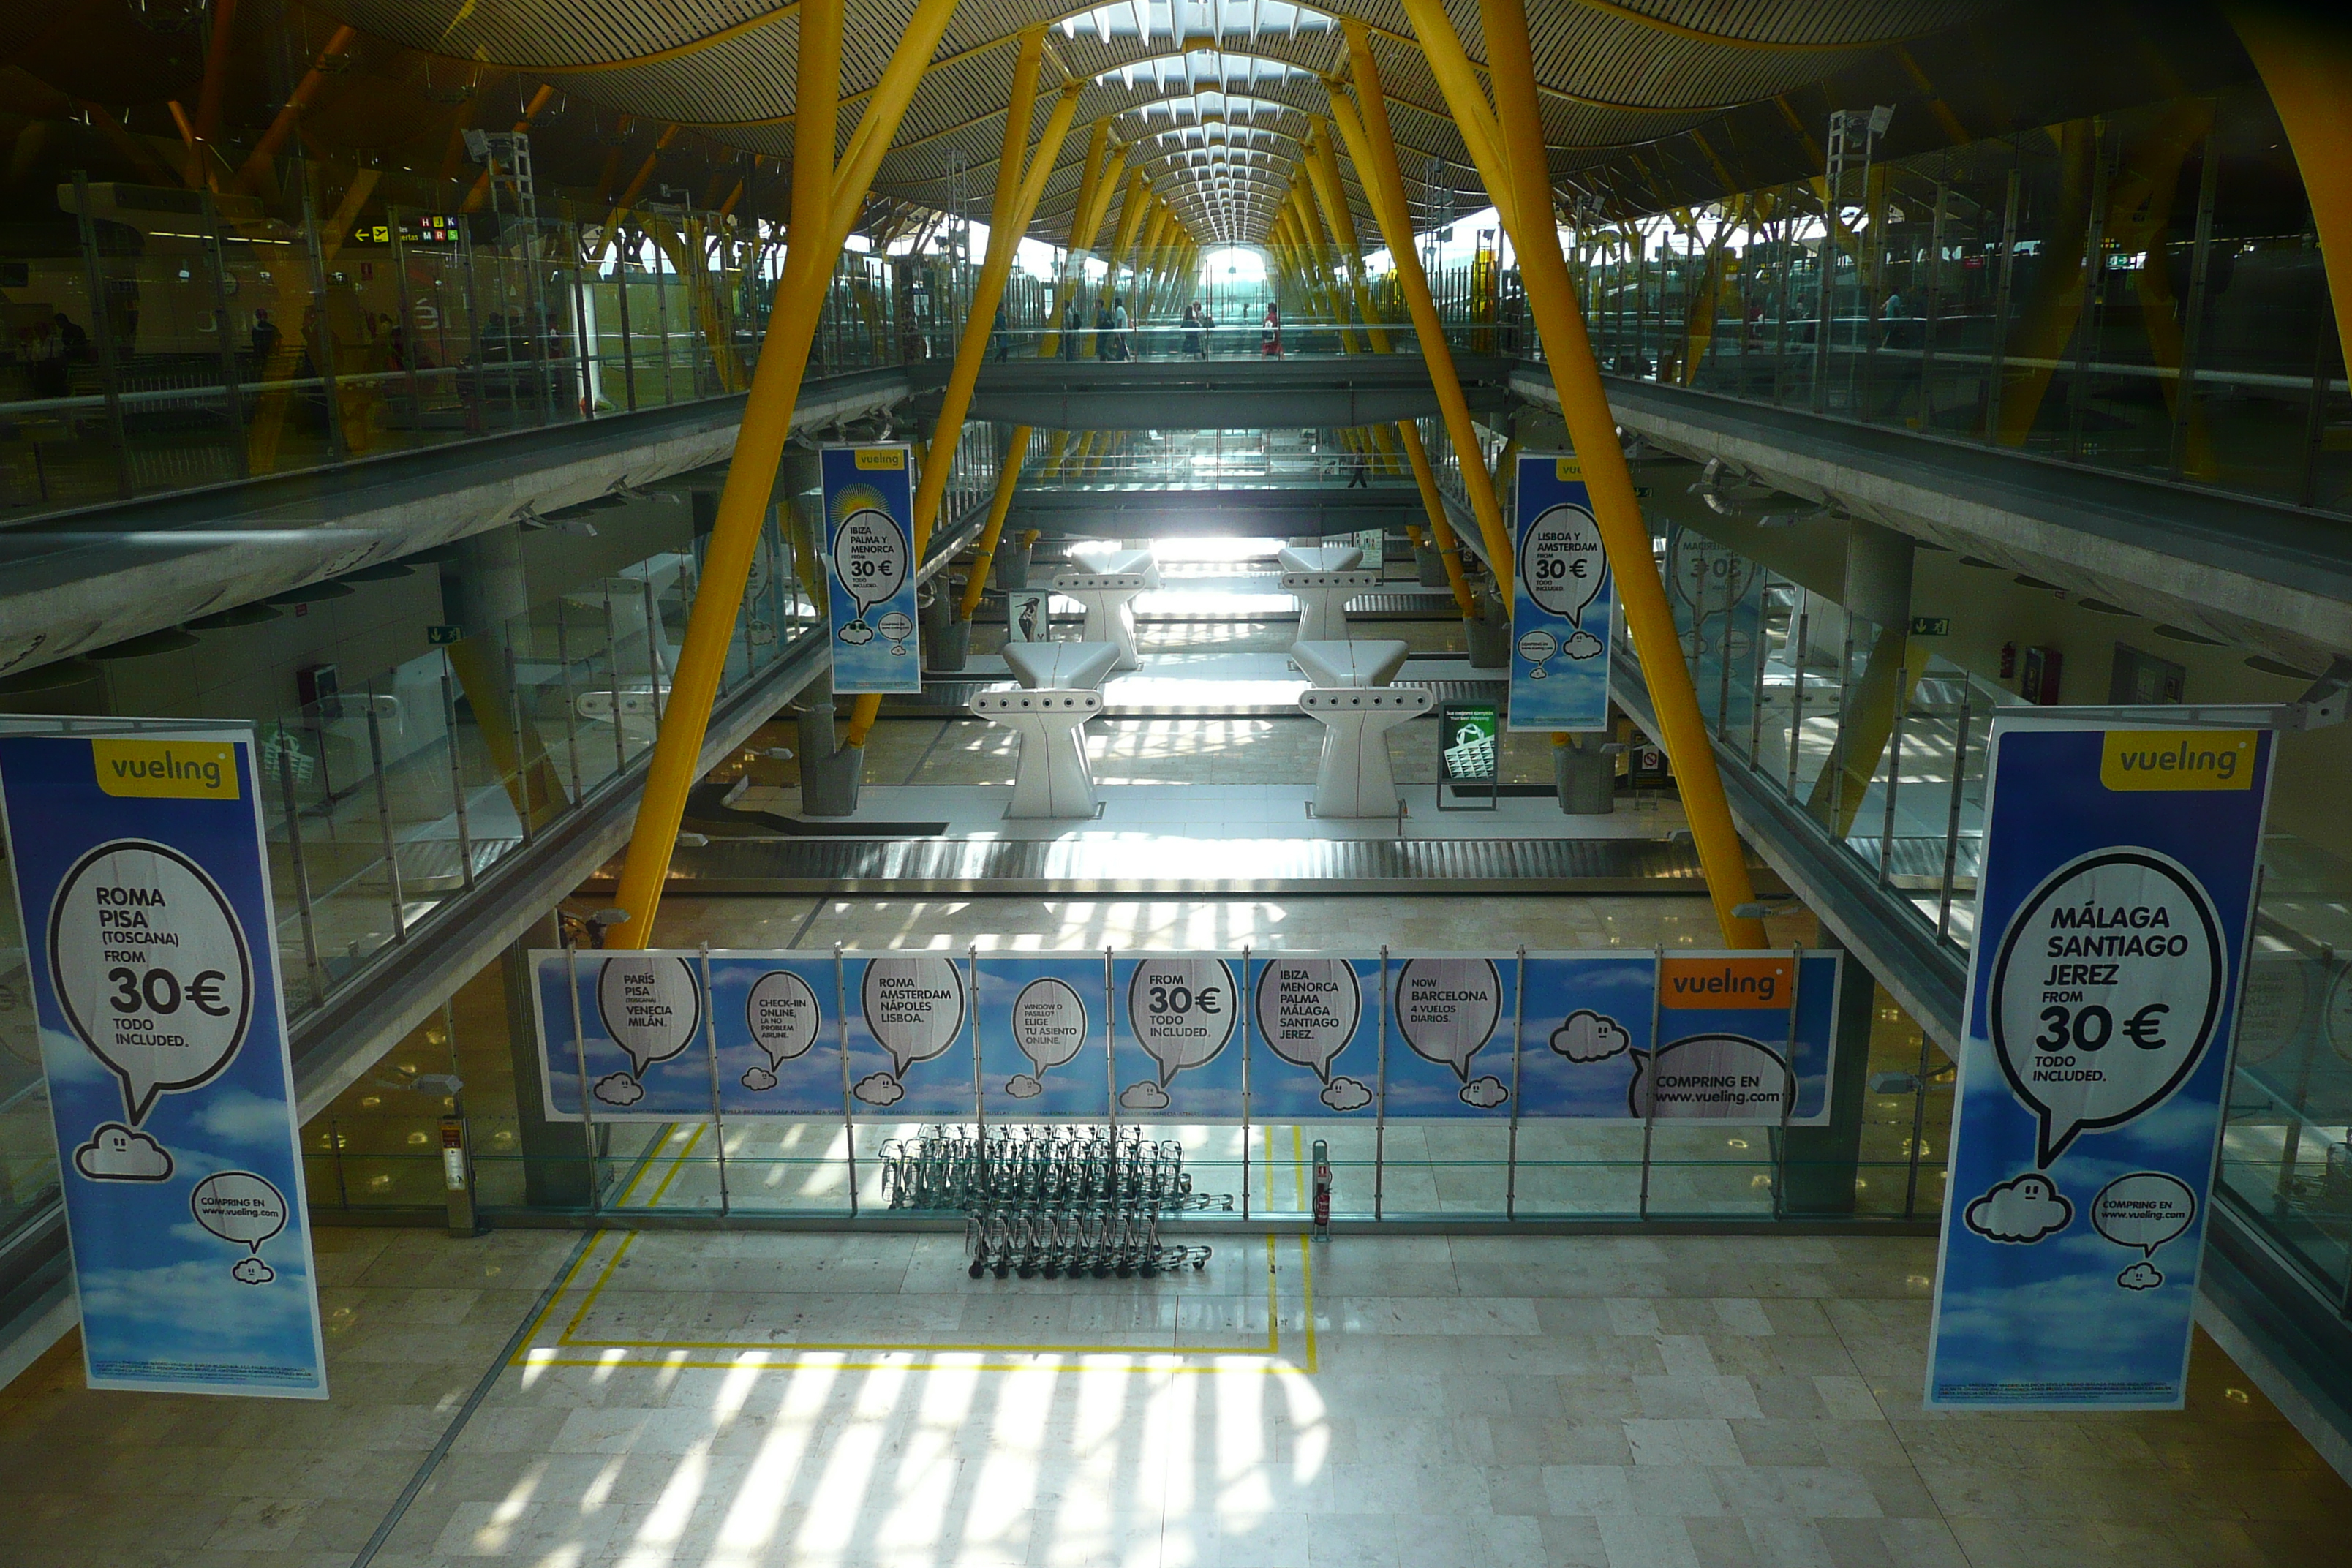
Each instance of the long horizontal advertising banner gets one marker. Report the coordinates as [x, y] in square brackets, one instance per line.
[1743, 1038]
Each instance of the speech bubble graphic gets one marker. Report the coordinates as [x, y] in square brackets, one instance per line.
[1182, 1011]
[2274, 1004]
[1585, 1036]
[1049, 1025]
[2140, 1276]
[1707, 576]
[1345, 1094]
[2145, 1209]
[651, 1006]
[1308, 1010]
[118, 1154]
[782, 1012]
[2105, 991]
[1561, 562]
[2020, 1211]
[1446, 1008]
[618, 1089]
[252, 1272]
[239, 1206]
[1710, 1077]
[896, 626]
[914, 1007]
[1536, 648]
[869, 550]
[152, 969]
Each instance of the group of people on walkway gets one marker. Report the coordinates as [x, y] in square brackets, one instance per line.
[1118, 338]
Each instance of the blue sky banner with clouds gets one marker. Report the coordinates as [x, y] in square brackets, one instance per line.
[149, 936]
[2080, 1173]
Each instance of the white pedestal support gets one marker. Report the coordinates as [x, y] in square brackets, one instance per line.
[1318, 557]
[1066, 665]
[1353, 778]
[1369, 663]
[1323, 601]
[1052, 779]
[1110, 617]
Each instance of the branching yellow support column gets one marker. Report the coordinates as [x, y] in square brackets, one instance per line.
[1373, 152]
[1016, 197]
[2305, 60]
[1094, 184]
[766, 423]
[1591, 429]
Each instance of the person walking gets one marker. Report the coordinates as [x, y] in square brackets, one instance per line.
[1192, 349]
[1074, 321]
[1000, 340]
[1269, 332]
[1120, 329]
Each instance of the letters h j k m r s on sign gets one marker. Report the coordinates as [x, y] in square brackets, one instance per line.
[142, 882]
[2113, 912]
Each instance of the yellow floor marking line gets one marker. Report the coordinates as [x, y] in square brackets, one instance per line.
[679, 1352]
[645, 1163]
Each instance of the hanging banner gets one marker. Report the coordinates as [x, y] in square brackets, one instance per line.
[1189, 1037]
[1180, 1037]
[2112, 913]
[869, 516]
[1315, 1037]
[1564, 602]
[1451, 1033]
[1718, 598]
[142, 883]
[1044, 1035]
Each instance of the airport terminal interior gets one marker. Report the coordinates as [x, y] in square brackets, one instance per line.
[1183, 783]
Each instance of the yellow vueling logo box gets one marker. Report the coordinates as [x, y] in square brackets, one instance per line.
[179, 770]
[1569, 469]
[2177, 759]
[882, 457]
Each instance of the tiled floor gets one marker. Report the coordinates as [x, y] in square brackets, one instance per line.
[723, 1401]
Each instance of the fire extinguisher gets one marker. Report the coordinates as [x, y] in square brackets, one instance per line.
[1322, 1190]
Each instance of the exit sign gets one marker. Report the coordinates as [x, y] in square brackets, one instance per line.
[438, 636]
[1931, 626]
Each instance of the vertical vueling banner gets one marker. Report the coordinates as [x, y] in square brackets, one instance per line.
[869, 527]
[1718, 597]
[143, 880]
[2113, 911]
[1565, 598]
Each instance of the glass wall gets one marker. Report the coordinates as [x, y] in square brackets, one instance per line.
[2142, 292]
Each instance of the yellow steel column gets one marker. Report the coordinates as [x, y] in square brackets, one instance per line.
[1094, 199]
[767, 422]
[2305, 62]
[1592, 430]
[1374, 155]
[1016, 198]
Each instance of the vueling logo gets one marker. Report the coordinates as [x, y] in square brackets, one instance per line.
[2177, 759]
[185, 770]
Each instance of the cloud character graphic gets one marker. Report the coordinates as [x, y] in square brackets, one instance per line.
[1345, 1094]
[2140, 1276]
[758, 1079]
[1485, 1093]
[1583, 644]
[1586, 1035]
[117, 1153]
[856, 633]
[1144, 1096]
[2022, 1211]
[1021, 1086]
[618, 1089]
[252, 1272]
[879, 1088]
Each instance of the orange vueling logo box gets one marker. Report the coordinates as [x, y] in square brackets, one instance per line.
[1726, 981]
